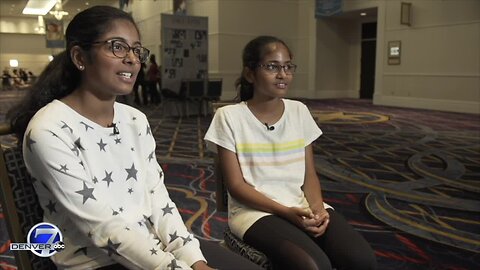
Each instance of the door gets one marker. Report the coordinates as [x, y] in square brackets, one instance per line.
[367, 62]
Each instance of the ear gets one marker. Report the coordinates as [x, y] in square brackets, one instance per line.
[249, 74]
[78, 57]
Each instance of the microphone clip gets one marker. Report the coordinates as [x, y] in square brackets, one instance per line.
[115, 129]
[269, 128]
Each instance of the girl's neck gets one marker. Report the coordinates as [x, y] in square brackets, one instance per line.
[267, 111]
[95, 109]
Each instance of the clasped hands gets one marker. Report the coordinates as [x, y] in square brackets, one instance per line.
[313, 220]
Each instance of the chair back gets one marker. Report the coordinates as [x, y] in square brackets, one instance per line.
[192, 89]
[221, 194]
[214, 89]
[20, 204]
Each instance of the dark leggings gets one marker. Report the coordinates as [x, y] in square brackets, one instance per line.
[218, 257]
[289, 247]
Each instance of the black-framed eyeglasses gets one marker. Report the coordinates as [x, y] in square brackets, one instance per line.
[121, 49]
[275, 68]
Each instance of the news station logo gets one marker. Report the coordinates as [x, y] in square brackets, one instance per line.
[44, 240]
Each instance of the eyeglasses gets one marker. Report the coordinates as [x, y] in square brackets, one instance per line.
[121, 49]
[275, 68]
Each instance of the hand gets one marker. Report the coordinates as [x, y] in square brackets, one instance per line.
[201, 265]
[317, 225]
[297, 215]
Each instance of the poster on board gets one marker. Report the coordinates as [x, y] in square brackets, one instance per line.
[54, 34]
[185, 49]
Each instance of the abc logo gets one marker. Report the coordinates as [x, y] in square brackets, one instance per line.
[59, 246]
[46, 239]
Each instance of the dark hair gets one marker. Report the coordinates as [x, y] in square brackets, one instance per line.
[61, 77]
[252, 55]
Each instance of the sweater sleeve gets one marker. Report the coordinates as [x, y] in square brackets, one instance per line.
[54, 161]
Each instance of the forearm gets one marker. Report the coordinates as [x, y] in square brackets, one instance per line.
[248, 195]
[313, 192]
[312, 188]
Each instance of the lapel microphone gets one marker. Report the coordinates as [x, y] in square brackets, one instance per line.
[269, 128]
[115, 129]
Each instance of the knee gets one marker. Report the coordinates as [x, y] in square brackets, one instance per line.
[364, 260]
[304, 263]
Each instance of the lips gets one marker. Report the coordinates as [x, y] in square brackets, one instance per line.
[126, 75]
[281, 85]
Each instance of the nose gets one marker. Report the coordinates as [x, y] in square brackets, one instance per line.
[281, 73]
[131, 58]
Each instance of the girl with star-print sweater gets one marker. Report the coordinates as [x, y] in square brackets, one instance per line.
[97, 176]
[120, 203]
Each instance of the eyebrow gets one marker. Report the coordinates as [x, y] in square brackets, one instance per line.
[124, 40]
[278, 62]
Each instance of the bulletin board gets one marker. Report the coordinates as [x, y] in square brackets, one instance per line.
[185, 49]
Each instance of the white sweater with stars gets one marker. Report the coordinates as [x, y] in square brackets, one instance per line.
[105, 191]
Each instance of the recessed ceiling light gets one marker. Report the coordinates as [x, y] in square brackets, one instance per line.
[38, 7]
[363, 14]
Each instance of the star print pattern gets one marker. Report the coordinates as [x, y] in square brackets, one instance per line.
[102, 145]
[63, 168]
[167, 210]
[132, 172]
[111, 247]
[106, 177]
[86, 125]
[173, 265]
[86, 192]
[51, 207]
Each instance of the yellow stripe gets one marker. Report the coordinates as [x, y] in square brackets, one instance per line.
[271, 163]
[269, 147]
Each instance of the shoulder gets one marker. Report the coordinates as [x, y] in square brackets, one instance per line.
[52, 114]
[295, 105]
[127, 112]
[231, 109]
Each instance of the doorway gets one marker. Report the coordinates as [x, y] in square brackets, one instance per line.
[367, 62]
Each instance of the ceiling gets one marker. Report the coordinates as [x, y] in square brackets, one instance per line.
[14, 8]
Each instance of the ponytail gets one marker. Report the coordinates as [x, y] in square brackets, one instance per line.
[244, 89]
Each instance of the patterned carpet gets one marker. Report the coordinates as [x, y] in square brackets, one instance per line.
[408, 180]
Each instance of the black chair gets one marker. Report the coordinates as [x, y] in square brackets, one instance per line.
[20, 203]
[213, 93]
[192, 91]
[170, 97]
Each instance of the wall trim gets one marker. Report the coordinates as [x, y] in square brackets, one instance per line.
[430, 104]
[336, 94]
[390, 74]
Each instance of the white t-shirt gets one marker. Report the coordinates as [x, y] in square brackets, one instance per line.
[272, 161]
[105, 191]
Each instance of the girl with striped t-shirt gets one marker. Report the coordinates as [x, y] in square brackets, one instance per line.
[264, 144]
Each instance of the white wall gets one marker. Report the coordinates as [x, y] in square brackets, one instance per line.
[440, 64]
